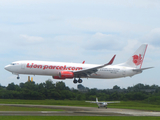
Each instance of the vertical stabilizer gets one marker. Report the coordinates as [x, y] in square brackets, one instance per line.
[96, 99]
[136, 59]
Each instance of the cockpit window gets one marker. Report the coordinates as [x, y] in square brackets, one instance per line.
[13, 63]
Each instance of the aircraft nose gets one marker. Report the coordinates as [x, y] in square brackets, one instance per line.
[7, 67]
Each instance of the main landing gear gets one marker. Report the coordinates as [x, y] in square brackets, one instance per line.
[18, 77]
[79, 80]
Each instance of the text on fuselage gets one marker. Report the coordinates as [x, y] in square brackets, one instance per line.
[52, 67]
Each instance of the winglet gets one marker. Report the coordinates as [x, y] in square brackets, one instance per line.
[111, 61]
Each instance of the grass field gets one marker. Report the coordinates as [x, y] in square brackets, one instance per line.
[47, 102]
[139, 105]
[123, 104]
[13, 108]
[75, 118]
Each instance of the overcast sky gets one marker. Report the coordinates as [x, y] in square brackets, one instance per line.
[77, 30]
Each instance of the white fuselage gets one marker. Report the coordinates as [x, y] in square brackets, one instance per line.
[103, 104]
[53, 69]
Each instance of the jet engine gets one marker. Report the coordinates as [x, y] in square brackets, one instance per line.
[57, 77]
[66, 74]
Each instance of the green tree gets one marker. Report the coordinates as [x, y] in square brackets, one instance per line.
[60, 86]
[116, 87]
[11, 86]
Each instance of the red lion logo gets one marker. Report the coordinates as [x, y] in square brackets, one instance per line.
[137, 60]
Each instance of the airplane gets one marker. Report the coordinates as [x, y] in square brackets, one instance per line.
[64, 70]
[102, 104]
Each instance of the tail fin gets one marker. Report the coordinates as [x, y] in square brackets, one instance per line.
[96, 99]
[136, 59]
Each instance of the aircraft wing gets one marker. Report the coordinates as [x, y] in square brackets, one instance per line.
[91, 101]
[95, 102]
[89, 71]
[114, 102]
[103, 102]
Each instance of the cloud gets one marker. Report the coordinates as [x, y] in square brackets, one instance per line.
[31, 39]
[100, 41]
[73, 31]
[131, 45]
[153, 37]
[106, 25]
[123, 3]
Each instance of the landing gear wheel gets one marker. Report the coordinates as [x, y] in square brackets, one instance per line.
[74, 81]
[18, 77]
[80, 81]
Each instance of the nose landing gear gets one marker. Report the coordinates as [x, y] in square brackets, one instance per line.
[18, 77]
[79, 80]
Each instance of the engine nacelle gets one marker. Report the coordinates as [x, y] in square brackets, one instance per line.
[57, 77]
[66, 74]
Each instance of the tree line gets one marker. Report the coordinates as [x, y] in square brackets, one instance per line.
[59, 91]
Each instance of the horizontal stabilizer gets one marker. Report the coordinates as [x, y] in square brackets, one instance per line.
[141, 69]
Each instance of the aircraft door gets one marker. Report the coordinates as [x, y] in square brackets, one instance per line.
[124, 72]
